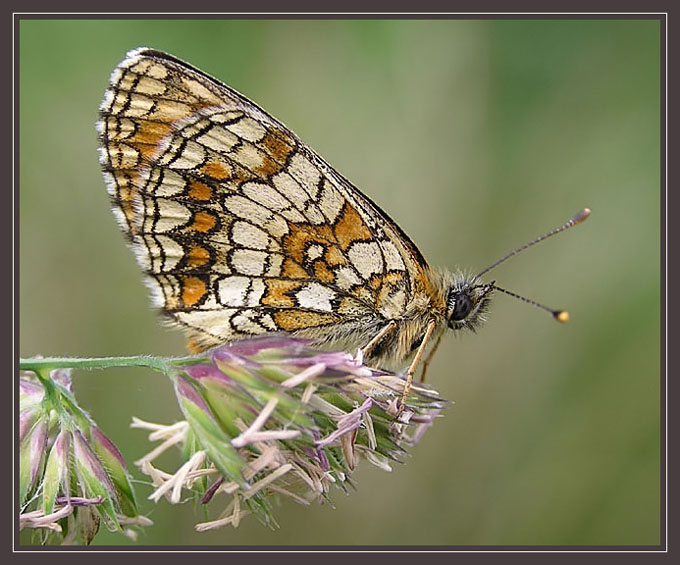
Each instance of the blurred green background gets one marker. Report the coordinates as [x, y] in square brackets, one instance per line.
[474, 136]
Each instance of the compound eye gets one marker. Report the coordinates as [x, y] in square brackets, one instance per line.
[462, 305]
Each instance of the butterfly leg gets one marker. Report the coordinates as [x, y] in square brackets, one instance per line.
[428, 359]
[370, 346]
[414, 365]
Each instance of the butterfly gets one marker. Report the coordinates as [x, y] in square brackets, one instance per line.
[243, 229]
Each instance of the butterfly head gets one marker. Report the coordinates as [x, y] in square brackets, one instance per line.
[467, 302]
[468, 299]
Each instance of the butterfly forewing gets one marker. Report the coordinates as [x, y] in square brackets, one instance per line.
[242, 228]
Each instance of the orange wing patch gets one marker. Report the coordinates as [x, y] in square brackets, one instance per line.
[296, 242]
[200, 191]
[292, 270]
[197, 257]
[291, 320]
[278, 293]
[149, 136]
[216, 170]
[323, 273]
[278, 146]
[193, 290]
[203, 222]
[350, 228]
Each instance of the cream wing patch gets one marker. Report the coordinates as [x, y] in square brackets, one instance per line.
[367, 258]
[316, 297]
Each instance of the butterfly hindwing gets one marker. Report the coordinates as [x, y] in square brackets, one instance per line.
[241, 228]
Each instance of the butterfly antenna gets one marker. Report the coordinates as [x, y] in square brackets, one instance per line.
[577, 219]
[559, 315]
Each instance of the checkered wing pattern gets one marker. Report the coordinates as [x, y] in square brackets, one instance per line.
[242, 228]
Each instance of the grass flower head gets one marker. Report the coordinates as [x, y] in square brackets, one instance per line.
[71, 476]
[272, 416]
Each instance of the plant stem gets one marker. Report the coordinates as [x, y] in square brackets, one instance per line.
[162, 364]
